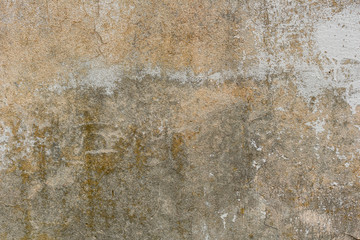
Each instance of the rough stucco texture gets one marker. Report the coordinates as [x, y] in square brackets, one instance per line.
[179, 119]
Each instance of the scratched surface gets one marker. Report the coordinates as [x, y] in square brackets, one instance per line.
[186, 119]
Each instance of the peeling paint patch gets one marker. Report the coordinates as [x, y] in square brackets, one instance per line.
[338, 38]
[337, 64]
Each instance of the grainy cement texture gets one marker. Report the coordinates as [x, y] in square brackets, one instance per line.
[179, 119]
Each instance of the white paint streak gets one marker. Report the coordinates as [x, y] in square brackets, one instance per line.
[253, 143]
[223, 216]
[5, 134]
[256, 165]
[205, 231]
[234, 218]
[317, 125]
[100, 77]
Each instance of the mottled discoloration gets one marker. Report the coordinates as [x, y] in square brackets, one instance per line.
[179, 120]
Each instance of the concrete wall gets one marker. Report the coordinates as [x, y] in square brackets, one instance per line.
[179, 119]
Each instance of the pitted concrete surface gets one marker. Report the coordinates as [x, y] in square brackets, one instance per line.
[186, 119]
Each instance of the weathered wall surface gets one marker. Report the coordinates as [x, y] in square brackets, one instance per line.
[179, 119]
